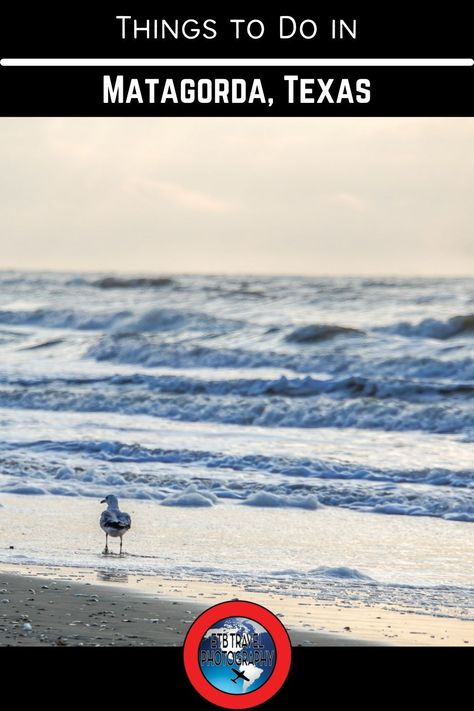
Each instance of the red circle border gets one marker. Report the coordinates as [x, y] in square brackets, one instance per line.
[252, 611]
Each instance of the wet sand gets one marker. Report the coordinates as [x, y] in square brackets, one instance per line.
[80, 607]
[37, 611]
[166, 561]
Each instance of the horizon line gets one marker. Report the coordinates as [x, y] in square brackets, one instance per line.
[165, 273]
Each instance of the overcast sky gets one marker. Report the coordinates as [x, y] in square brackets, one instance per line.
[299, 196]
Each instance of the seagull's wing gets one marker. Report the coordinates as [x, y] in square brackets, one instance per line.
[107, 517]
[115, 519]
[124, 519]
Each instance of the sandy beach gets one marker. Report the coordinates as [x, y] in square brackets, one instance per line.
[74, 607]
[72, 594]
[38, 611]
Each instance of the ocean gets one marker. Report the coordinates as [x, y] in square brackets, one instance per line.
[317, 433]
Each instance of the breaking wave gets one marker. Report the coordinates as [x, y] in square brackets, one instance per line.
[320, 332]
[144, 350]
[122, 321]
[434, 328]
[391, 405]
[172, 482]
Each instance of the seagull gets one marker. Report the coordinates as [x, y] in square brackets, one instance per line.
[113, 521]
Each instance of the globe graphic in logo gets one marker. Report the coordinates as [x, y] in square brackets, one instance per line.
[237, 655]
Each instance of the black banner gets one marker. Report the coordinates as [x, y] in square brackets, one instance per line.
[318, 676]
[396, 61]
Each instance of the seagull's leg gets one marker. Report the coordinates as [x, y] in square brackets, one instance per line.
[120, 545]
[106, 550]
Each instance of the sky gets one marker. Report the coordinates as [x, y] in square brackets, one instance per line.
[388, 196]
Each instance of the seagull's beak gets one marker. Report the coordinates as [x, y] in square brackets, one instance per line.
[103, 501]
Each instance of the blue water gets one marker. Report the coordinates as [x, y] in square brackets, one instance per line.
[339, 392]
